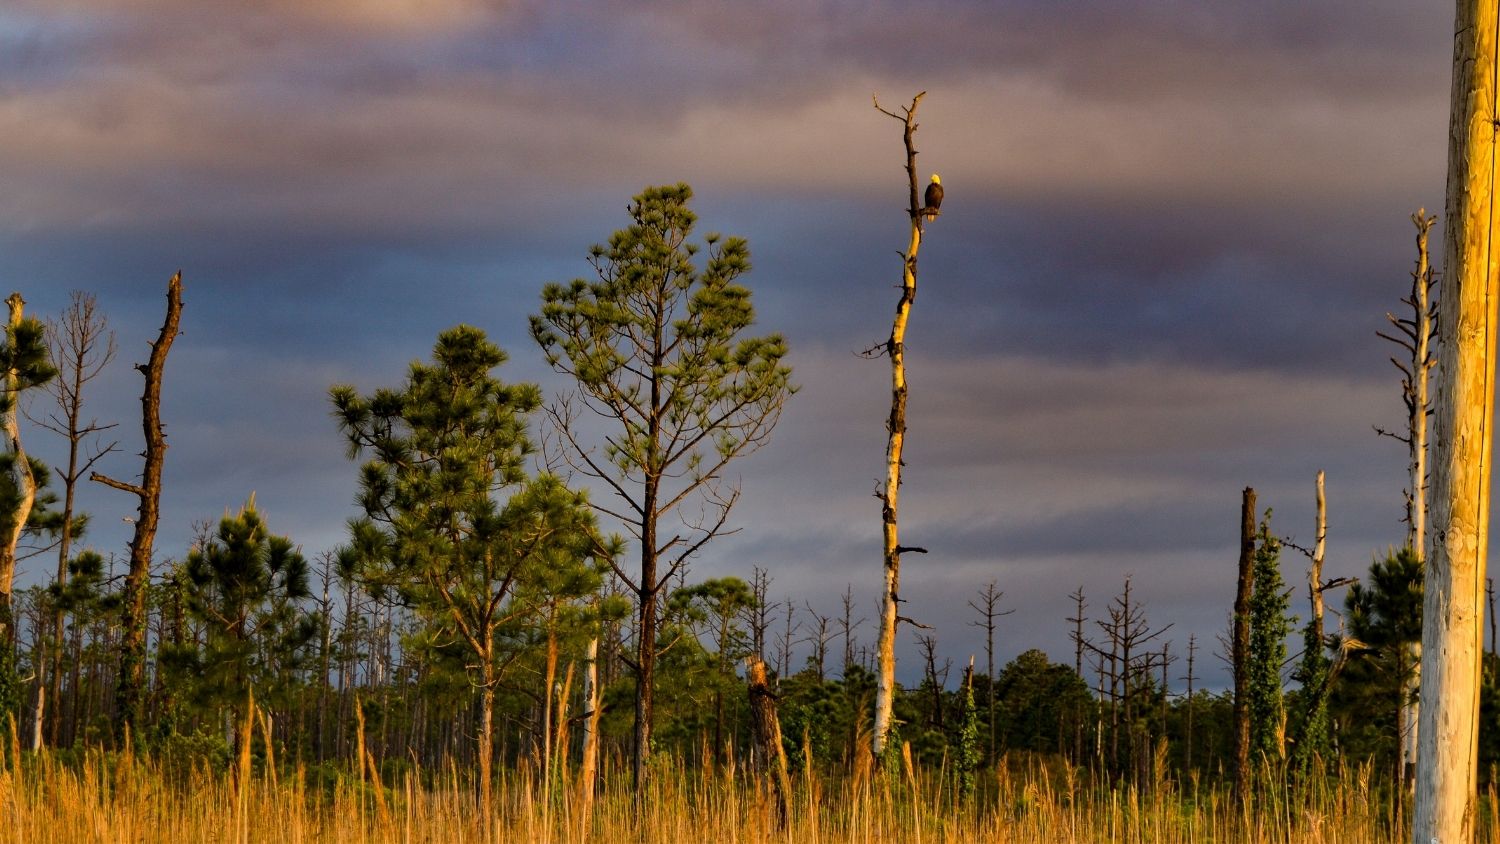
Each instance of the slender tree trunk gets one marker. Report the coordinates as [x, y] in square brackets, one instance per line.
[646, 645]
[1241, 645]
[53, 665]
[133, 615]
[588, 768]
[1419, 404]
[1314, 699]
[1418, 407]
[1187, 751]
[1315, 570]
[895, 347]
[1453, 609]
[486, 751]
[549, 678]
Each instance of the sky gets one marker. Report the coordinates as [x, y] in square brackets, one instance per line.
[1171, 231]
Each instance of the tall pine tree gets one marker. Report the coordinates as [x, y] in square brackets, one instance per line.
[661, 346]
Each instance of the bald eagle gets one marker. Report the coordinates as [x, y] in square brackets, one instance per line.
[933, 200]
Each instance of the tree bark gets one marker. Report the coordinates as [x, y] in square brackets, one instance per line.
[895, 347]
[486, 751]
[1447, 753]
[1241, 646]
[128, 691]
[767, 728]
[588, 767]
[645, 677]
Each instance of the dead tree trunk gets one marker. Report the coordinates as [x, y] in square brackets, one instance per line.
[895, 347]
[1416, 337]
[133, 616]
[81, 345]
[1315, 567]
[988, 599]
[767, 728]
[1241, 647]
[1452, 607]
[1187, 745]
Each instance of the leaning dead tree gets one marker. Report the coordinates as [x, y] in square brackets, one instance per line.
[1453, 585]
[895, 348]
[133, 615]
[1418, 337]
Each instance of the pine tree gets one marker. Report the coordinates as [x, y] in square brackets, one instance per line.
[1269, 626]
[1384, 618]
[24, 365]
[439, 532]
[660, 346]
[246, 584]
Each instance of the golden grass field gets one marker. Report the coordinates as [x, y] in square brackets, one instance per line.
[110, 798]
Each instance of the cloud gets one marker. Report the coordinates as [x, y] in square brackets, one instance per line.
[297, 111]
[1171, 230]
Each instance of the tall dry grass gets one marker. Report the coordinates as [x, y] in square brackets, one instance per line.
[114, 798]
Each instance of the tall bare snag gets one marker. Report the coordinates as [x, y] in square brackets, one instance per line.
[133, 618]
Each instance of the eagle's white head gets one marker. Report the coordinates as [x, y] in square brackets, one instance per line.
[936, 180]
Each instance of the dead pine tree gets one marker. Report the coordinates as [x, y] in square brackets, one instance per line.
[758, 614]
[1453, 583]
[133, 616]
[1127, 631]
[895, 348]
[1187, 741]
[989, 597]
[821, 635]
[1079, 643]
[933, 679]
[847, 625]
[1315, 670]
[1417, 337]
[81, 345]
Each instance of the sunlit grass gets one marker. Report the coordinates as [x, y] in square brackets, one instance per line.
[111, 798]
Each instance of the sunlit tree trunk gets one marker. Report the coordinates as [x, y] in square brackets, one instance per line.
[133, 614]
[1416, 335]
[1452, 611]
[895, 347]
[587, 769]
